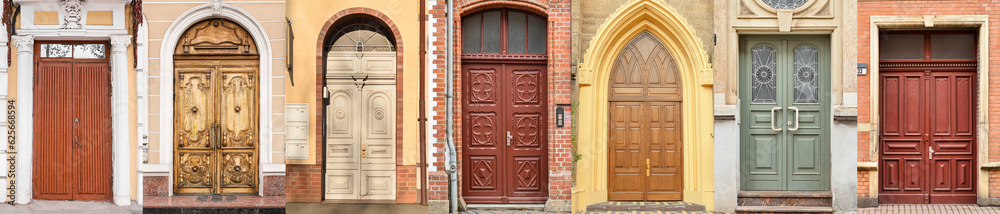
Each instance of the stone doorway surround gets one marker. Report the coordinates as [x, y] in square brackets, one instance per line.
[930, 22]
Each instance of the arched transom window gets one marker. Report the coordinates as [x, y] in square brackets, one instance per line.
[503, 32]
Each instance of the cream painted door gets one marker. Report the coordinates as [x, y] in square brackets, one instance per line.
[360, 128]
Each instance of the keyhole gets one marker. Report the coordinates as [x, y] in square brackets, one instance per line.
[237, 109]
[194, 109]
[789, 123]
[194, 169]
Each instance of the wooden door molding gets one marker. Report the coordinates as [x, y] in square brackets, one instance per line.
[645, 137]
[928, 130]
[72, 108]
[216, 110]
[360, 148]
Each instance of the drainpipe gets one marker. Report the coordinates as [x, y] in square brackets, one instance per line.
[449, 98]
[422, 119]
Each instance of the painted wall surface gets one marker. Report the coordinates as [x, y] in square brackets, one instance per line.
[311, 22]
[837, 19]
[874, 16]
[605, 28]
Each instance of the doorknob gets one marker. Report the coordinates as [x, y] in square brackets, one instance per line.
[796, 118]
[773, 119]
[509, 137]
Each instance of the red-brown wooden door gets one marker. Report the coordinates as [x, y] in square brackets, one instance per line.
[72, 126]
[504, 136]
[928, 140]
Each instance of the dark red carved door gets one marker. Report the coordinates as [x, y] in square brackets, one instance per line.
[72, 126]
[927, 142]
[504, 136]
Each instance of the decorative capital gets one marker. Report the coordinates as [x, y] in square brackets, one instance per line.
[119, 43]
[24, 44]
[216, 7]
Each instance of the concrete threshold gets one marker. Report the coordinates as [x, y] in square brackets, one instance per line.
[538, 207]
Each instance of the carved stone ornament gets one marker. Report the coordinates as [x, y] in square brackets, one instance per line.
[216, 7]
[119, 43]
[71, 13]
[24, 44]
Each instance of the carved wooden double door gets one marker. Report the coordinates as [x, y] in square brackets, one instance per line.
[216, 120]
[505, 143]
[644, 140]
[927, 140]
[785, 113]
[72, 123]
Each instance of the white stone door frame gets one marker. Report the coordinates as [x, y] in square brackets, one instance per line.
[169, 43]
[119, 60]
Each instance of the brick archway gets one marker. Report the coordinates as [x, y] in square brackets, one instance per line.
[473, 6]
[402, 191]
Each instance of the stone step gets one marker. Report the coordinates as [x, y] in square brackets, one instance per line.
[642, 206]
[785, 198]
[783, 209]
[538, 207]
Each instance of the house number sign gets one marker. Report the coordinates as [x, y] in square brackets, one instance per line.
[11, 151]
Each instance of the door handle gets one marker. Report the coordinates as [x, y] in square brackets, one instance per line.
[77, 143]
[363, 149]
[930, 155]
[647, 167]
[773, 119]
[509, 137]
[796, 118]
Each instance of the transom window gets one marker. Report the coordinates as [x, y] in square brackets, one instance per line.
[503, 32]
[927, 45]
[75, 51]
[362, 35]
[785, 4]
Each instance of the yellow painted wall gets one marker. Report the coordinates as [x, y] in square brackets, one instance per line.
[308, 18]
[99, 18]
[696, 76]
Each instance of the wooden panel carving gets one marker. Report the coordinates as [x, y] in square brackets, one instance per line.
[238, 109]
[196, 170]
[216, 37]
[194, 108]
[238, 169]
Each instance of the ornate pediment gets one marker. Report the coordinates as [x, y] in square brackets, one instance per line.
[216, 37]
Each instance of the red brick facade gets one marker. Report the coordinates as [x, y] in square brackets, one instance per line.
[559, 55]
[866, 9]
[305, 182]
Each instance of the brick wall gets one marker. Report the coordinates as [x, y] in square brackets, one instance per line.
[305, 182]
[867, 8]
[558, 14]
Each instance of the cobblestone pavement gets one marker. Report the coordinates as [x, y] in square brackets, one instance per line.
[70, 207]
[928, 209]
[541, 212]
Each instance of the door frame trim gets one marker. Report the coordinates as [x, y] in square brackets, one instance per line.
[929, 22]
[173, 34]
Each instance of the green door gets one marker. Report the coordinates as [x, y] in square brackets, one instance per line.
[785, 113]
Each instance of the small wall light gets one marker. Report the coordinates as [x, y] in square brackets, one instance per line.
[862, 68]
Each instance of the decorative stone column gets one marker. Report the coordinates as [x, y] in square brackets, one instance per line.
[119, 118]
[25, 74]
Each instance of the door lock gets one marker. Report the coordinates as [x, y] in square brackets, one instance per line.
[930, 155]
[509, 137]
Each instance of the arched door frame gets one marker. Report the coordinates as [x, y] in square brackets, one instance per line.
[664, 23]
[167, 48]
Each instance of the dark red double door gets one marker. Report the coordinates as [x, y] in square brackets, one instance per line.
[504, 134]
[72, 129]
[928, 143]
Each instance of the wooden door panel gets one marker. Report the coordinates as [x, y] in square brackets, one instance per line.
[342, 184]
[627, 179]
[54, 130]
[807, 162]
[238, 108]
[526, 155]
[343, 144]
[952, 142]
[902, 143]
[665, 180]
[194, 108]
[486, 134]
[195, 171]
[378, 185]
[92, 154]
[238, 169]
[378, 128]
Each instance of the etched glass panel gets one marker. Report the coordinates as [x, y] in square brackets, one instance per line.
[953, 46]
[492, 33]
[901, 46]
[516, 32]
[763, 77]
[55, 50]
[536, 35]
[88, 51]
[785, 4]
[806, 74]
[472, 34]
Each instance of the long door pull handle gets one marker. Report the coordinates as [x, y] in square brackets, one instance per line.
[796, 118]
[773, 119]
[509, 137]
[930, 155]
